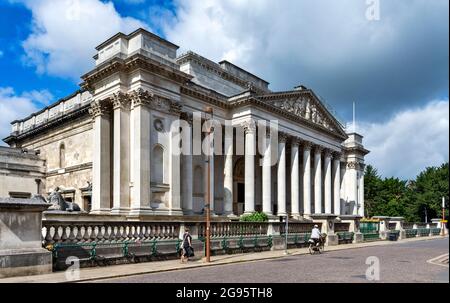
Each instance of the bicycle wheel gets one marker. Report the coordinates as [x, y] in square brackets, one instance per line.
[311, 250]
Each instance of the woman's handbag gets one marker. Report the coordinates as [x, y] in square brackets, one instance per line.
[190, 251]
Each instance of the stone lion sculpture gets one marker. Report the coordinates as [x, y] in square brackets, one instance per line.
[58, 202]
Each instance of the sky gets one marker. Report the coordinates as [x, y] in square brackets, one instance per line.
[389, 57]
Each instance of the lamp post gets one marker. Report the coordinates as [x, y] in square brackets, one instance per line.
[208, 110]
[443, 217]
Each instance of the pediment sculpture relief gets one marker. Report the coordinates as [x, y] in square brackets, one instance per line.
[306, 109]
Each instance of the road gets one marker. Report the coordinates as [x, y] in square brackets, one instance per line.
[402, 262]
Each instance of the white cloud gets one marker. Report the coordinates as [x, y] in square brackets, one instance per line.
[65, 33]
[14, 106]
[411, 141]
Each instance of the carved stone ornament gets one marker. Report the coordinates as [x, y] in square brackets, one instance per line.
[353, 165]
[99, 108]
[120, 100]
[305, 108]
[307, 145]
[249, 126]
[158, 125]
[282, 137]
[140, 97]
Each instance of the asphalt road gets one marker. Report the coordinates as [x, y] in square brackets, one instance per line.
[402, 262]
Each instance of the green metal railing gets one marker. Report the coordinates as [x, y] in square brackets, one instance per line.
[370, 231]
[435, 231]
[423, 232]
[345, 236]
[410, 233]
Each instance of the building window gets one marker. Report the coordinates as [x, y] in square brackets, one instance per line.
[62, 156]
[19, 195]
[157, 171]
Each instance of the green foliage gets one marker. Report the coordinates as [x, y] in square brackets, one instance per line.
[254, 217]
[409, 199]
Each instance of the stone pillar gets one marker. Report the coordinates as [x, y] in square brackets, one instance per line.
[250, 152]
[337, 183]
[140, 153]
[175, 173]
[361, 191]
[353, 186]
[121, 153]
[306, 178]
[187, 176]
[327, 185]
[101, 177]
[327, 226]
[228, 174]
[21, 252]
[399, 226]
[354, 226]
[318, 180]
[281, 174]
[267, 177]
[383, 226]
[295, 181]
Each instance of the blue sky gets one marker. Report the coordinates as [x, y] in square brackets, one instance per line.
[395, 67]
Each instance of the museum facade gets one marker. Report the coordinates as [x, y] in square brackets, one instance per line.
[112, 146]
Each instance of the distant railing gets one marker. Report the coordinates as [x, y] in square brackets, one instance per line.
[341, 227]
[233, 229]
[297, 227]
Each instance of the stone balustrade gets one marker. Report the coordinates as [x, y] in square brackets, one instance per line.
[79, 232]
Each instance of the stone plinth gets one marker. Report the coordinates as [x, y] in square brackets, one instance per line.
[327, 221]
[21, 251]
[399, 226]
[383, 226]
[354, 226]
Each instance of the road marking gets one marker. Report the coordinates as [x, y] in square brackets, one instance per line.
[438, 260]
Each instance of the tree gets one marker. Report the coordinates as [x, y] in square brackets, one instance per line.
[371, 187]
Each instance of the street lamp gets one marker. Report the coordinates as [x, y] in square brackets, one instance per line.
[443, 217]
[208, 110]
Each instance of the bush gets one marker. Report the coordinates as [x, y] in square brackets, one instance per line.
[254, 217]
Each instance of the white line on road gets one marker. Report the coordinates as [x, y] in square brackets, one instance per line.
[438, 260]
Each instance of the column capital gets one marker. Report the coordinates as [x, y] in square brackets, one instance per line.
[318, 149]
[353, 165]
[307, 145]
[249, 126]
[140, 97]
[336, 155]
[100, 108]
[188, 117]
[120, 100]
[327, 152]
[282, 137]
[296, 140]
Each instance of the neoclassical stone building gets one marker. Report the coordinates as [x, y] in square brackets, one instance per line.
[111, 145]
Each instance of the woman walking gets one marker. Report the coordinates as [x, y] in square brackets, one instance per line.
[187, 246]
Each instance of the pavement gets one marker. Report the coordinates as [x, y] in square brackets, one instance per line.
[344, 254]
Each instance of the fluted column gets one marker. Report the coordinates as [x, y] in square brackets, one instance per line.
[266, 177]
[281, 174]
[121, 154]
[337, 183]
[361, 190]
[228, 174]
[101, 180]
[250, 151]
[187, 177]
[352, 175]
[327, 181]
[306, 178]
[318, 180]
[295, 181]
[139, 152]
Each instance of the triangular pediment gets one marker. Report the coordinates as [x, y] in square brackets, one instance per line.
[305, 105]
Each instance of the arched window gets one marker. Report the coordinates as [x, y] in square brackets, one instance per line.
[198, 180]
[157, 171]
[62, 155]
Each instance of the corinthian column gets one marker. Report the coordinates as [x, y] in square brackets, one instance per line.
[121, 146]
[327, 185]
[250, 151]
[266, 177]
[337, 183]
[187, 177]
[306, 178]
[228, 173]
[281, 175]
[295, 181]
[101, 180]
[318, 180]
[139, 152]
